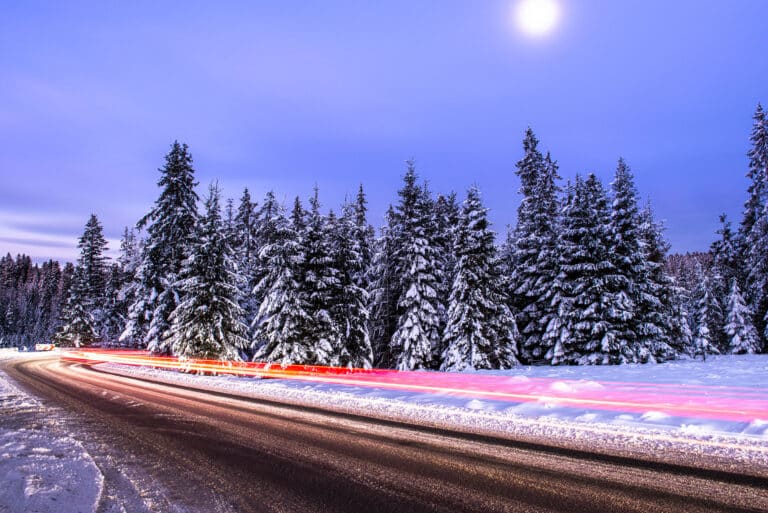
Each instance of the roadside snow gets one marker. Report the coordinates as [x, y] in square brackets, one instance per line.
[637, 432]
[42, 469]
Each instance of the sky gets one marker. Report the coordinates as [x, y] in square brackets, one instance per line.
[285, 95]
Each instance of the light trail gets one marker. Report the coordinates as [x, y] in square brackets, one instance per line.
[739, 404]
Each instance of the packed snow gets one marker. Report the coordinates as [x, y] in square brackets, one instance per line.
[43, 469]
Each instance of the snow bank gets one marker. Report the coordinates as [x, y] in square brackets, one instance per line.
[638, 433]
[42, 470]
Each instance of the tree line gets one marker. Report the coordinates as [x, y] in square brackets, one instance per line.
[582, 278]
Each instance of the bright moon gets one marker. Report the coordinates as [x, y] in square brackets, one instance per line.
[537, 17]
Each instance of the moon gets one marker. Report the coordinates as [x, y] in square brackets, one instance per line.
[537, 17]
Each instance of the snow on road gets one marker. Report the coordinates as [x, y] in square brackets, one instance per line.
[42, 469]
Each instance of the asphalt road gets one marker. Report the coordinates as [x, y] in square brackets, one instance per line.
[215, 452]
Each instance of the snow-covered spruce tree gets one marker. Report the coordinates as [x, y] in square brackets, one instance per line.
[350, 302]
[636, 324]
[365, 235]
[585, 328]
[656, 294]
[742, 337]
[418, 272]
[753, 233]
[533, 259]
[758, 178]
[757, 273]
[228, 221]
[114, 307]
[244, 245]
[92, 261]
[282, 332]
[385, 290]
[78, 327]
[725, 256]
[170, 230]
[46, 322]
[708, 317]
[208, 322]
[447, 214]
[128, 262]
[446, 221]
[681, 336]
[85, 313]
[245, 221]
[480, 331]
[268, 229]
[321, 279]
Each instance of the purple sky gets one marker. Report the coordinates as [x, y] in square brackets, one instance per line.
[284, 95]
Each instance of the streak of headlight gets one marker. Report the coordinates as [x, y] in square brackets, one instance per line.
[740, 404]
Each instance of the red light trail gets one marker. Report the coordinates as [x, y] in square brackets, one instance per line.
[739, 404]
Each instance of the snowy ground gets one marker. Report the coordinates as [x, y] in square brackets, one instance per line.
[637, 431]
[42, 469]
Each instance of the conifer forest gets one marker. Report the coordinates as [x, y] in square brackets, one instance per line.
[583, 277]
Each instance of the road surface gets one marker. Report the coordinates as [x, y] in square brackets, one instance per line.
[217, 452]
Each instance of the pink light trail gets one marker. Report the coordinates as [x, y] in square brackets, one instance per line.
[739, 404]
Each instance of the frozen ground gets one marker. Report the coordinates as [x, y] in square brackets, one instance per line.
[42, 469]
[728, 381]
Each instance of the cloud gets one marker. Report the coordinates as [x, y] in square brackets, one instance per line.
[27, 234]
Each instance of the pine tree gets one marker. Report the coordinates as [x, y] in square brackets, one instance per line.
[480, 329]
[742, 337]
[350, 310]
[284, 321]
[78, 327]
[114, 308]
[418, 273]
[364, 235]
[681, 336]
[92, 261]
[590, 315]
[533, 258]
[636, 324]
[208, 322]
[446, 221]
[268, 229]
[753, 231]
[129, 287]
[228, 222]
[321, 280]
[84, 315]
[657, 314]
[170, 231]
[708, 318]
[50, 283]
[384, 292]
[725, 255]
[758, 177]
[245, 248]
[757, 273]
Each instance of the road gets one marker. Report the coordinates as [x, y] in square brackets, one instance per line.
[216, 452]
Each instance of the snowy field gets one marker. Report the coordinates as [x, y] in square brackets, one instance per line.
[635, 431]
[42, 469]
